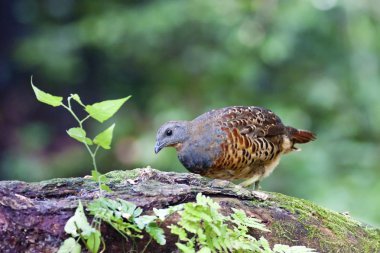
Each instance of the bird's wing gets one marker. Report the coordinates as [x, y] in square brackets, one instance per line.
[253, 137]
[252, 121]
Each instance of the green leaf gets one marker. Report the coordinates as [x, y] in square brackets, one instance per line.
[71, 228]
[215, 241]
[120, 214]
[264, 244]
[204, 250]
[163, 213]
[104, 139]
[104, 110]
[46, 97]
[215, 229]
[78, 222]
[137, 211]
[144, 220]
[79, 134]
[70, 245]
[202, 237]
[179, 231]
[105, 187]
[77, 99]
[205, 216]
[190, 225]
[184, 248]
[97, 176]
[93, 241]
[240, 218]
[156, 233]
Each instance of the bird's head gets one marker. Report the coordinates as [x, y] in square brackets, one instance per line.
[171, 134]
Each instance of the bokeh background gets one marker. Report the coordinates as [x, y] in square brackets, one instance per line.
[314, 62]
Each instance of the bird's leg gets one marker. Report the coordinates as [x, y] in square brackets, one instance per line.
[249, 181]
[259, 194]
[257, 185]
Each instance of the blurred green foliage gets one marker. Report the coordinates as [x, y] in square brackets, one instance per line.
[315, 63]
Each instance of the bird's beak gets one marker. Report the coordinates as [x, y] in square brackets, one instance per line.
[158, 147]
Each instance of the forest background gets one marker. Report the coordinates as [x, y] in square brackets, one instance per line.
[315, 63]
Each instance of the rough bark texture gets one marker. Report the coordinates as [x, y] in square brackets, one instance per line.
[33, 215]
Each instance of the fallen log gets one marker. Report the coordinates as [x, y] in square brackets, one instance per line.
[33, 215]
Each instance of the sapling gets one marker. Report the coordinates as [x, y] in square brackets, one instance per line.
[77, 226]
[101, 112]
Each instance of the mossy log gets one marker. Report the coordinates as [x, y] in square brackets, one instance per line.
[33, 215]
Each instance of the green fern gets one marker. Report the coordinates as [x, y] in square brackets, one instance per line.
[203, 229]
[125, 217]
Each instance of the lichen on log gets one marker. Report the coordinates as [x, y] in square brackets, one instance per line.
[33, 215]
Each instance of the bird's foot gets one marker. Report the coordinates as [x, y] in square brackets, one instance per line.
[260, 195]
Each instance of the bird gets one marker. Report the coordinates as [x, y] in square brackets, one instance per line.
[232, 143]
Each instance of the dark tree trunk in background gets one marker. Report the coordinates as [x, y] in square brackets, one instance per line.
[33, 215]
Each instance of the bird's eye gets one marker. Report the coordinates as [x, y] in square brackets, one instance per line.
[168, 132]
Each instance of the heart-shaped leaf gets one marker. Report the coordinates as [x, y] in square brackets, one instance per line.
[93, 241]
[104, 139]
[97, 176]
[77, 99]
[78, 223]
[104, 110]
[79, 134]
[46, 97]
[70, 245]
[105, 187]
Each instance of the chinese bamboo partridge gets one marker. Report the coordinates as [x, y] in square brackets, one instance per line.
[237, 142]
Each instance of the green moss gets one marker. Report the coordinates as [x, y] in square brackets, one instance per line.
[54, 181]
[337, 223]
[119, 175]
[285, 231]
[343, 228]
[114, 176]
[262, 203]
[372, 241]
[326, 230]
[57, 182]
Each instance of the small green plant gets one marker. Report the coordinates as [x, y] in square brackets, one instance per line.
[101, 112]
[79, 229]
[77, 226]
[203, 229]
[125, 217]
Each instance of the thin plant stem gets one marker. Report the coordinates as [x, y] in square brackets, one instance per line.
[104, 245]
[150, 240]
[95, 166]
[83, 120]
[92, 154]
[147, 244]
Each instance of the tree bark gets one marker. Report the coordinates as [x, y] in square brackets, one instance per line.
[33, 215]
